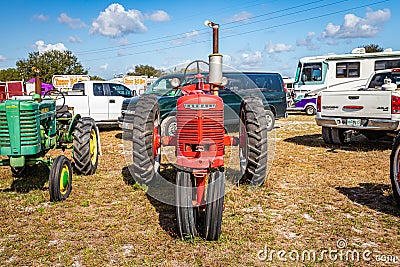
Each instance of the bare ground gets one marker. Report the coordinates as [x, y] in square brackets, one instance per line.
[316, 195]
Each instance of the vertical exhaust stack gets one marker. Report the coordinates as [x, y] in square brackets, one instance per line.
[215, 60]
[38, 84]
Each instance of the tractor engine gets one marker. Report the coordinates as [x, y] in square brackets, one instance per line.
[200, 131]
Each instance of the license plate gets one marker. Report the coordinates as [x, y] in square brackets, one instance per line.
[353, 122]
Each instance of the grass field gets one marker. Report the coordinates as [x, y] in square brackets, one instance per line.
[318, 198]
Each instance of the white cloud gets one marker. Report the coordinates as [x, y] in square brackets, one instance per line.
[356, 27]
[193, 33]
[158, 16]
[2, 58]
[71, 22]
[185, 38]
[40, 17]
[308, 41]
[272, 48]
[240, 17]
[104, 67]
[42, 47]
[248, 61]
[74, 39]
[115, 21]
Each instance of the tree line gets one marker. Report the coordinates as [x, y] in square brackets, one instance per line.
[56, 62]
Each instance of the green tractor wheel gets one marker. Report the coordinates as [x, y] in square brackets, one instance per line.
[86, 149]
[60, 179]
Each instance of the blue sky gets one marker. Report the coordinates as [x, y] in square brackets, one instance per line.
[112, 37]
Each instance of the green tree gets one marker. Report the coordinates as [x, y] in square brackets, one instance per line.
[50, 63]
[145, 70]
[372, 48]
[96, 78]
[10, 74]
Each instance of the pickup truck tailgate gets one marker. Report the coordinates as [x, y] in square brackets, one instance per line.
[356, 104]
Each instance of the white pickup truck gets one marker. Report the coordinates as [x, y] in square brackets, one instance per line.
[100, 100]
[373, 111]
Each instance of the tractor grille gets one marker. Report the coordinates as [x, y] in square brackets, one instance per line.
[4, 134]
[29, 130]
[212, 127]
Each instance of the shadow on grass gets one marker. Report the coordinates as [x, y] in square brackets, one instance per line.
[166, 212]
[35, 177]
[358, 143]
[373, 196]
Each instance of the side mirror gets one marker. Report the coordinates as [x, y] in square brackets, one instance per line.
[224, 81]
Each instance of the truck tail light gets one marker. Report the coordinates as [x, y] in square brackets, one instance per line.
[319, 104]
[284, 87]
[395, 104]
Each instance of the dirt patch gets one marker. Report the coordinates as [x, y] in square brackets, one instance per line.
[315, 197]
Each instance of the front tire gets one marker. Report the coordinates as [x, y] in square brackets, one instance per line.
[86, 149]
[185, 212]
[60, 179]
[395, 169]
[146, 149]
[310, 110]
[18, 172]
[215, 205]
[253, 141]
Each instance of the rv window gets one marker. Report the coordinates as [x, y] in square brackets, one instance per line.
[347, 69]
[312, 72]
[387, 64]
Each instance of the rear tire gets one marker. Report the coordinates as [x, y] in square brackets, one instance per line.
[395, 169]
[327, 134]
[253, 148]
[86, 148]
[215, 205]
[310, 110]
[145, 139]
[186, 214]
[337, 136]
[60, 179]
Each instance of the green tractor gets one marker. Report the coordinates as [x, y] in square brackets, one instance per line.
[30, 128]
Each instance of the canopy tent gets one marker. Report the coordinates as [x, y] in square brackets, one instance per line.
[45, 86]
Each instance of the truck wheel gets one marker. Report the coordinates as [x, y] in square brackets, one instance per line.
[168, 126]
[215, 205]
[186, 214]
[327, 134]
[86, 149]
[18, 172]
[395, 169]
[60, 179]
[253, 146]
[146, 149]
[270, 120]
[337, 136]
[310, 110]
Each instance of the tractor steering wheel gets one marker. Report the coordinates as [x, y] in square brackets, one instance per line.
[197, 62]
[55, 95]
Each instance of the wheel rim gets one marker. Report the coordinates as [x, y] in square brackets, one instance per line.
[269, 120]
[93, 146]
[64, 179]
[396, 167]
[156, 145]
[172, 128]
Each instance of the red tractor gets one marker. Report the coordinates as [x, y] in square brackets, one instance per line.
[200, 142]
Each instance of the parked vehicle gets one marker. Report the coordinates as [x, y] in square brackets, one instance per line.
[307, 104]
[238, 84]
[340, 72]
[100, 100]
[373, 111]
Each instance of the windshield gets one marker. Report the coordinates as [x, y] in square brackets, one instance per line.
[161, 86]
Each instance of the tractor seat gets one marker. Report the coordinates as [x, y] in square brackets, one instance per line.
[63, 112]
